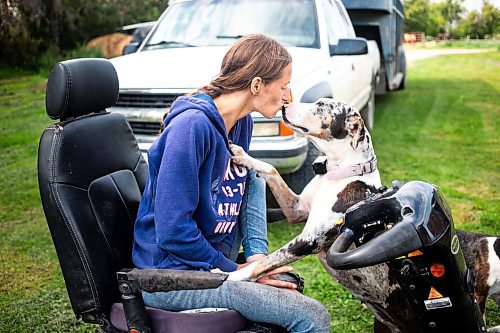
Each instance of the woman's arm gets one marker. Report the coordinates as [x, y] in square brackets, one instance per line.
[177, 195]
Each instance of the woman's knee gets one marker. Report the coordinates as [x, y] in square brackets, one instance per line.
[317, 315]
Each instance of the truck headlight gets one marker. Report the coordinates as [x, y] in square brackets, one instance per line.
[271, 128]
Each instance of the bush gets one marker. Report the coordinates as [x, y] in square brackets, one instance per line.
[472, 43]
[31, 31]
[19, 48]
[51, 57]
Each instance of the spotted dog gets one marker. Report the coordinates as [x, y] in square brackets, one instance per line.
[338, 131]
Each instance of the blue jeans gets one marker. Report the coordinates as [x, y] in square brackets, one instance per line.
[256, 302]
[252, 223]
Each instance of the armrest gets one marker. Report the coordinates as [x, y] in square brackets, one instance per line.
[153, 280]
[132, 281]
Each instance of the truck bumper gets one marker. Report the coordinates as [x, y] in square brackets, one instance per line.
[286, 154]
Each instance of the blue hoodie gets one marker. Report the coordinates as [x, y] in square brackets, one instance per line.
[193, 194]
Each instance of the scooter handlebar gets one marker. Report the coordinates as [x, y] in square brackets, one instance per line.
[397, 241]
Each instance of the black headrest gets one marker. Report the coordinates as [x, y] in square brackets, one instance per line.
[80, 86]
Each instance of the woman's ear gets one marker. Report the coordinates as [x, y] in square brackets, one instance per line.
[256, 85]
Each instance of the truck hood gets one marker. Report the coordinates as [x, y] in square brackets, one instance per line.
[191, 67]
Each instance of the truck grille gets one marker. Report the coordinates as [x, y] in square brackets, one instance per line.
[145, 127]
[145, 101]
[157, 101]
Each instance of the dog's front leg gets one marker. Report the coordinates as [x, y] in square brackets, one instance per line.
[291, 204]
[316, 236]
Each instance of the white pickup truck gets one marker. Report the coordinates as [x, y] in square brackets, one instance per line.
[184, 49]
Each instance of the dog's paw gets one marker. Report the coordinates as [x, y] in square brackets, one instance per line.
[236, 150]
[240, 157]
[243, 274]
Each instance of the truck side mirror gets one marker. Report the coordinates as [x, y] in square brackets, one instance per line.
[349, 46]
[131, 47]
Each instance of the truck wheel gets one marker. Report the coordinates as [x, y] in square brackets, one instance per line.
[300, 178]
[368, 112]
[402, 84]
[402, 61]
[297, 180]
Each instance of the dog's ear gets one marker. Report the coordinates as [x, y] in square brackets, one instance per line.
[355, 127]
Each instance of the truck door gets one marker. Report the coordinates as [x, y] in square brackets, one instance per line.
[342, 69]
[361, 64]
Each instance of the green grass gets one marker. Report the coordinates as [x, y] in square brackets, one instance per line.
[442, 129]
[471, 44]
[491, 44]
[32, 293]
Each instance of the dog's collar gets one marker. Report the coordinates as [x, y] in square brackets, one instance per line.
[321, 167]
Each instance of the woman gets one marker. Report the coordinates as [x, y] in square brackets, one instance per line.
[188, 213]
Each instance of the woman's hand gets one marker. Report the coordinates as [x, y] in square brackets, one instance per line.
[268, 278]
[271, 281]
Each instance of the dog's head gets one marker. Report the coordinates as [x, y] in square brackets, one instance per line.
[326, 120]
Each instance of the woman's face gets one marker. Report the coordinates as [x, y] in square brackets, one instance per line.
[273, 95]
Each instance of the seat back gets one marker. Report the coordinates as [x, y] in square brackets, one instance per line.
[91, 175]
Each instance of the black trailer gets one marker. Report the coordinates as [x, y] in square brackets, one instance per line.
[382, 21]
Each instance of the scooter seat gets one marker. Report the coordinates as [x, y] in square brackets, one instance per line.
[163, 321]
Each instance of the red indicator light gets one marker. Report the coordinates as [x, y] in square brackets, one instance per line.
[437, 270]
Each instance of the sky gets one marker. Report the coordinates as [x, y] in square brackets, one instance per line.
[478, 4]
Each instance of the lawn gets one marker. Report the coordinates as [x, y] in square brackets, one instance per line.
[442, 129]
[491, 44]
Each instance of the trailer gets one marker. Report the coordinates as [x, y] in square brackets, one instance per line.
[382, 21]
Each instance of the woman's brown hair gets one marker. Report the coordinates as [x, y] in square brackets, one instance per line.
[250, 56]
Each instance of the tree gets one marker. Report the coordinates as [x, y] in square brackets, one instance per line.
[452, 11]
[417, 14]
[437, 22]
[479, 24]
[470, 26]
[490, 19]
[29, 28]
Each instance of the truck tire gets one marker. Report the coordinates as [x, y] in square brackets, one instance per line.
[402, 85]
[368, 112]
[297, 180]
[402, 64]
[300, 178]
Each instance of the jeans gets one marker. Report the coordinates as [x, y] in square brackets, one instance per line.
[252, 223]
[256, 302]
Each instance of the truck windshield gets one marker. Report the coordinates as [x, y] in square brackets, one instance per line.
[221, 22]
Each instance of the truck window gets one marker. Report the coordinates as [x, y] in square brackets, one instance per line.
[336, 26]
[220, 22]
[346, 20]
